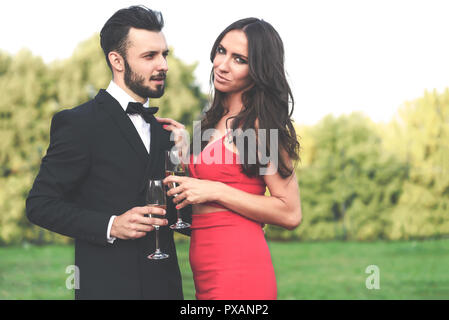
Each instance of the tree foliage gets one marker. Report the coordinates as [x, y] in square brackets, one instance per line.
[422, 137]
[348, 183]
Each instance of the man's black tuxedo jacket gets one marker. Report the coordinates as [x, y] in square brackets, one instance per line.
[97, 166]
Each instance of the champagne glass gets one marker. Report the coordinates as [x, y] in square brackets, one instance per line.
[155, 197]
[175, 167]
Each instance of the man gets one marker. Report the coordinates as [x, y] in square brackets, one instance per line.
[91, 184]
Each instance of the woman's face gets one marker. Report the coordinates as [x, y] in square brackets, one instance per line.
[231, 70]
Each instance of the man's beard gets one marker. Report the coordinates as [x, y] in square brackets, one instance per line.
[135, 81]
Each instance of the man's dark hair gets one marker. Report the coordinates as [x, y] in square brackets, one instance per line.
[114, 34]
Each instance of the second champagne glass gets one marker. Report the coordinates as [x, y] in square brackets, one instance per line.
[175, 167]
[155, 197]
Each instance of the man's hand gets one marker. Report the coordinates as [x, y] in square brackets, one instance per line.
[133, 224]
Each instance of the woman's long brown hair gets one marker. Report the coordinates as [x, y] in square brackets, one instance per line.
[269, 102]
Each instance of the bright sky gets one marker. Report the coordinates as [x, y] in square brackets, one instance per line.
[341, 56]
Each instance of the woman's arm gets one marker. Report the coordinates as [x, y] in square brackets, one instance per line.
[282, 208]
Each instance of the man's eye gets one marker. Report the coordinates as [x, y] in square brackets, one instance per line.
[220, 50]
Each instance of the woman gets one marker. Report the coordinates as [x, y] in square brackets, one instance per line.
[229, 256]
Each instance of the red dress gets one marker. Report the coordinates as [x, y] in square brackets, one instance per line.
[229, 255]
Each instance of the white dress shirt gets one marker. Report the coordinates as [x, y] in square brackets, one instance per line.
[142, 127]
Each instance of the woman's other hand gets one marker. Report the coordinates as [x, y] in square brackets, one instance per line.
[192, 191]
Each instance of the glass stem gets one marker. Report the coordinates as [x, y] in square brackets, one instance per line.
[157, 239]
[177, 211]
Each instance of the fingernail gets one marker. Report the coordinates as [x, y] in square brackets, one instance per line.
[177, 207]
[165, 126]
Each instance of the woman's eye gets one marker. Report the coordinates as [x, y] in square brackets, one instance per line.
[220, 50]
[240, 60]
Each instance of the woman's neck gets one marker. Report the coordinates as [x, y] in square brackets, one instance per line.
[233, 104]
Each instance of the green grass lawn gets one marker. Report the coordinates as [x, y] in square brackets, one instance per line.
[323, 270]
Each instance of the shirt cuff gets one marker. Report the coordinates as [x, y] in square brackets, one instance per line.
[108, 234]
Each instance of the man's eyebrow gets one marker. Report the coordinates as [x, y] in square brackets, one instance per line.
[155, 52]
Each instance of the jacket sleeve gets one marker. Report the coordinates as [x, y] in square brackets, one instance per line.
[62, 170]
[167, 143]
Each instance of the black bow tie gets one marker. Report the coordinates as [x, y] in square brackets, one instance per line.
[146, 113]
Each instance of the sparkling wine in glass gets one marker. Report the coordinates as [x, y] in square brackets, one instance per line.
[155, 197]
[175, 167]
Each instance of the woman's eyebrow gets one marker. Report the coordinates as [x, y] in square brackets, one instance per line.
[234, 54]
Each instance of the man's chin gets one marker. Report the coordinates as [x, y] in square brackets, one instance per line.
[155, 94]
[148, 93]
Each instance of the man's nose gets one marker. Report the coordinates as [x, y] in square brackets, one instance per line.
[163, 64]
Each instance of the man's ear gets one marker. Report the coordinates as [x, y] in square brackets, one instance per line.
[117, 61]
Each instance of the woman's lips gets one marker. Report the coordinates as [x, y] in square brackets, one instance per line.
[220, 78]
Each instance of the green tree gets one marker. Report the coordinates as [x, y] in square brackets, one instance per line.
[421, 137]
[23, 83]
[348, 184]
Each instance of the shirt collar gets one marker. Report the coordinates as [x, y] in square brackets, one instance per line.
[121, 96]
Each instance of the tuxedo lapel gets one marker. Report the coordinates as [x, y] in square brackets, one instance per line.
[155, 142]
[113, 108]
[160, 142]
[155, 138]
